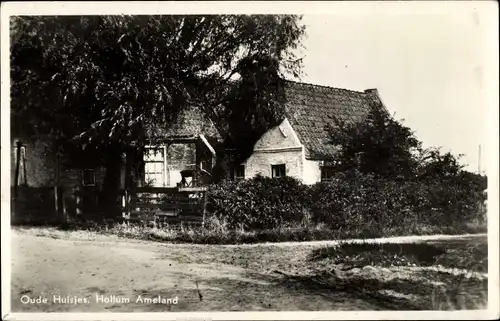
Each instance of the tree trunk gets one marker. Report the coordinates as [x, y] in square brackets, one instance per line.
[132, 168]
[111, 184]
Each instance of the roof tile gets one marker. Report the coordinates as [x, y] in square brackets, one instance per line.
[312, 108]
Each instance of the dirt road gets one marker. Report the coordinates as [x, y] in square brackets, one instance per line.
[51, 267]
[120, 276]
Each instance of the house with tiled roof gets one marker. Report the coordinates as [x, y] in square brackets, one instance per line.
[300, 146]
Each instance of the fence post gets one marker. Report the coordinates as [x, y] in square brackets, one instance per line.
[125, 204]
[63, 205]
[79, 201]
[204, 207]
[56, 199]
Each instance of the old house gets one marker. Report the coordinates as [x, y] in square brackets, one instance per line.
[43, 183]
[188, 146]
[184, 154]
[299, 146]
[56, 182]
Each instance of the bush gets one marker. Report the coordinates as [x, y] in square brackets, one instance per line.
[355, 204]
[373, 205]
[259, 203]
[363, 203]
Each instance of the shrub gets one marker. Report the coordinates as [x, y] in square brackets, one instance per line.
[259, 203]
[362, 202]
[353, 204]
[371, 206]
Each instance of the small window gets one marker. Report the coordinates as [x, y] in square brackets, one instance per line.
[88, 177]
[327, 174]
[239, 172]
[206, 165]
[154, 166]
[278, 170]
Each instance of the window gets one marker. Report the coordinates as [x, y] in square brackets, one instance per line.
[278, 170]
[88, 177]
[154, 167]
[206, 165]
[327, 174]
[239, 172]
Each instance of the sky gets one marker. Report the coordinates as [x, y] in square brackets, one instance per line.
[429, 69]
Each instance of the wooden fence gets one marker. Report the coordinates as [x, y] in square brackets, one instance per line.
[165, 205]
[52, 205]
[47, 205]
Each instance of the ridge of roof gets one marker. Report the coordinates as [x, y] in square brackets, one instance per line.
[327, 87]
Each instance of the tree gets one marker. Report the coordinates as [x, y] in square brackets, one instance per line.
[382, 146]
[104, 82]
[380, 151]
[254, 105]
[378, 145]
[433, 164]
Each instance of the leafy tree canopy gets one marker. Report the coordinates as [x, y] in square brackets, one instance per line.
[382, 146]
[378, 145]
[104, 80]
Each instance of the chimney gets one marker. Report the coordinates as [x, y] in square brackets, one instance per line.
[374, 96]
[373, 91]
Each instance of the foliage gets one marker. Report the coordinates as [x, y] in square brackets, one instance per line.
[382, 168]
[365, 203]
[382, 146]
[117, 73]
[254, 106]
[434, 165]
[109, 81]
[379, 145]
[352, 204]
[258, 203]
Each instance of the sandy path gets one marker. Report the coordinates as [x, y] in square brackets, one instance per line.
[394, 239]
[45, 267]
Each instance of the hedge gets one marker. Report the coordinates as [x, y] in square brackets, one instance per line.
[259, 203]
[355, 202]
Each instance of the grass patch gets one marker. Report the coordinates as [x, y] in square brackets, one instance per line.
[218, 231]
[413, 276]
[200, 235]
[470, 255]
[394, 254]
[452, 254]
